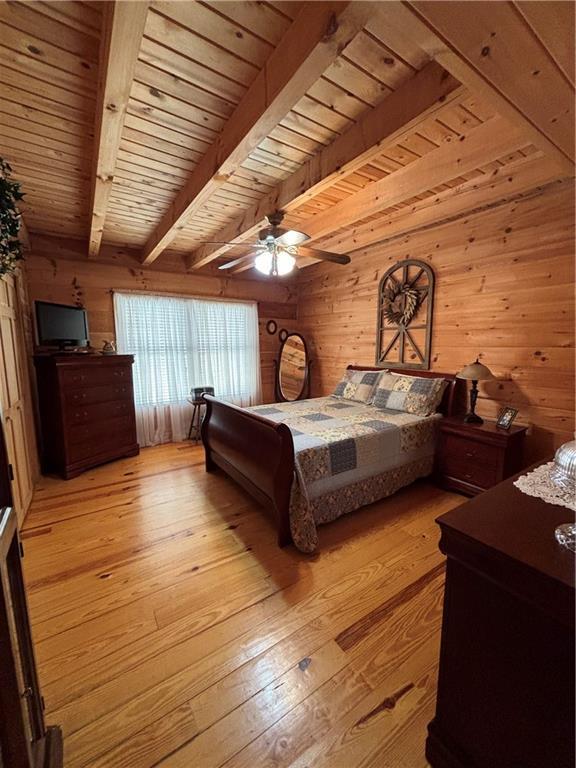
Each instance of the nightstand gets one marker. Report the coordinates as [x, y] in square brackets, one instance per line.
[471, 458]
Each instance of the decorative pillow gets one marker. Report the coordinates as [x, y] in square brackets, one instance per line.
[384, 389]
[411, 394]
[358, 385]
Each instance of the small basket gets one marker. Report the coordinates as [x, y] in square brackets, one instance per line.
[197, 392]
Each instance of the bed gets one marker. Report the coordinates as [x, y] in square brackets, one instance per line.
[311, 461]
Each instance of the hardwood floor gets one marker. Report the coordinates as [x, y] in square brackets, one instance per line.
[170, 630]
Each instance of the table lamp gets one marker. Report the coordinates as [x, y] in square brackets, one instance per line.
[474, 372]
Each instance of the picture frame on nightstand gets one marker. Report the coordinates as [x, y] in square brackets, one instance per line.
[506, 417]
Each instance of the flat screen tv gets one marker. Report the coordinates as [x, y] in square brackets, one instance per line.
[59, 325]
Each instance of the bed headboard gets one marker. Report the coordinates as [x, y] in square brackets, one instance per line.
[454, 394]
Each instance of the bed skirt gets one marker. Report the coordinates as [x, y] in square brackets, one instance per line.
[307, 514]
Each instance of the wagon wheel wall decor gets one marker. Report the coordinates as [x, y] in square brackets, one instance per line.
[405, 303]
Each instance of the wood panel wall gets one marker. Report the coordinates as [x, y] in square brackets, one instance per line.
[91, 285]
[505, 292]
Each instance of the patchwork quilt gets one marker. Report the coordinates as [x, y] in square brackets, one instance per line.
[348, 454]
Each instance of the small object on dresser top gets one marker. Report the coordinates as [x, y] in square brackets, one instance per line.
[563, 472]
[109, 348]
[566, 536]
[554, 482]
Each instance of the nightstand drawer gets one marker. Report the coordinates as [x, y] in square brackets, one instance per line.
[468, 471]
[464, 451]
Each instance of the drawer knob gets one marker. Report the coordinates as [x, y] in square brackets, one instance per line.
[469, 454]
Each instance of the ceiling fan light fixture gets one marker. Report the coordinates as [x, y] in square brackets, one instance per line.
[274, 264]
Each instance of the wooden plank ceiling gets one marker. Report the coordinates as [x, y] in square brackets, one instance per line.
[157, 126]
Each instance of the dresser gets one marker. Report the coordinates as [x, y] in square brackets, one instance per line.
[506, 677]
[471, 458]
[86, 407]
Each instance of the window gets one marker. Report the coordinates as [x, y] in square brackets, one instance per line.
[180, 343]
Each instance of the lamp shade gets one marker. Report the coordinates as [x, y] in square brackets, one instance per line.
[475, 372]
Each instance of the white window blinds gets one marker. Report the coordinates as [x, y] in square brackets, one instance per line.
[180, 343]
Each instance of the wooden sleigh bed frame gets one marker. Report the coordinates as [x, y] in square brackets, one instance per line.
[259, 454]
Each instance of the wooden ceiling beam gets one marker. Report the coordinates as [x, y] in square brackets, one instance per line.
[429, 91]
[123, 26]
[504, 184]
[319, 33]
[553, 22]
[499, 54]
[487, 142]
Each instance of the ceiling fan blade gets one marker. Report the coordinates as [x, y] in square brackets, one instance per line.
[335, 258]
[234, 245]
[240, 260]
[231, 264]
[292, 237]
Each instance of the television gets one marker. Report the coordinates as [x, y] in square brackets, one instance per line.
[61, 325]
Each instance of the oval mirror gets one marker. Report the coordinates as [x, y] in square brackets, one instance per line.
[293, 369]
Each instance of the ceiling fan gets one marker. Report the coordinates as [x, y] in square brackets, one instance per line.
[274, 253]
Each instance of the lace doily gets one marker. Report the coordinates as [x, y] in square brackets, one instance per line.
[539, 483]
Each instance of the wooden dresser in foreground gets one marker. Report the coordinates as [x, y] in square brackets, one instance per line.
[474, 457]
[86, 411]
[506, 678]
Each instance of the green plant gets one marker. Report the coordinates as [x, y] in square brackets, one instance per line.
[10, 220]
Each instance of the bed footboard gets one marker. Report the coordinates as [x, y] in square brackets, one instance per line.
[255, 452]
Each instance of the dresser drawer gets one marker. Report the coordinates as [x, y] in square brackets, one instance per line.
[97, 412]
[461, 450]
[92, 439]
[99, 394]
[91, 451]
[81, 378]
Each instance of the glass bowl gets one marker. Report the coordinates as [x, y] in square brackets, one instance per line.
[563, 471]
